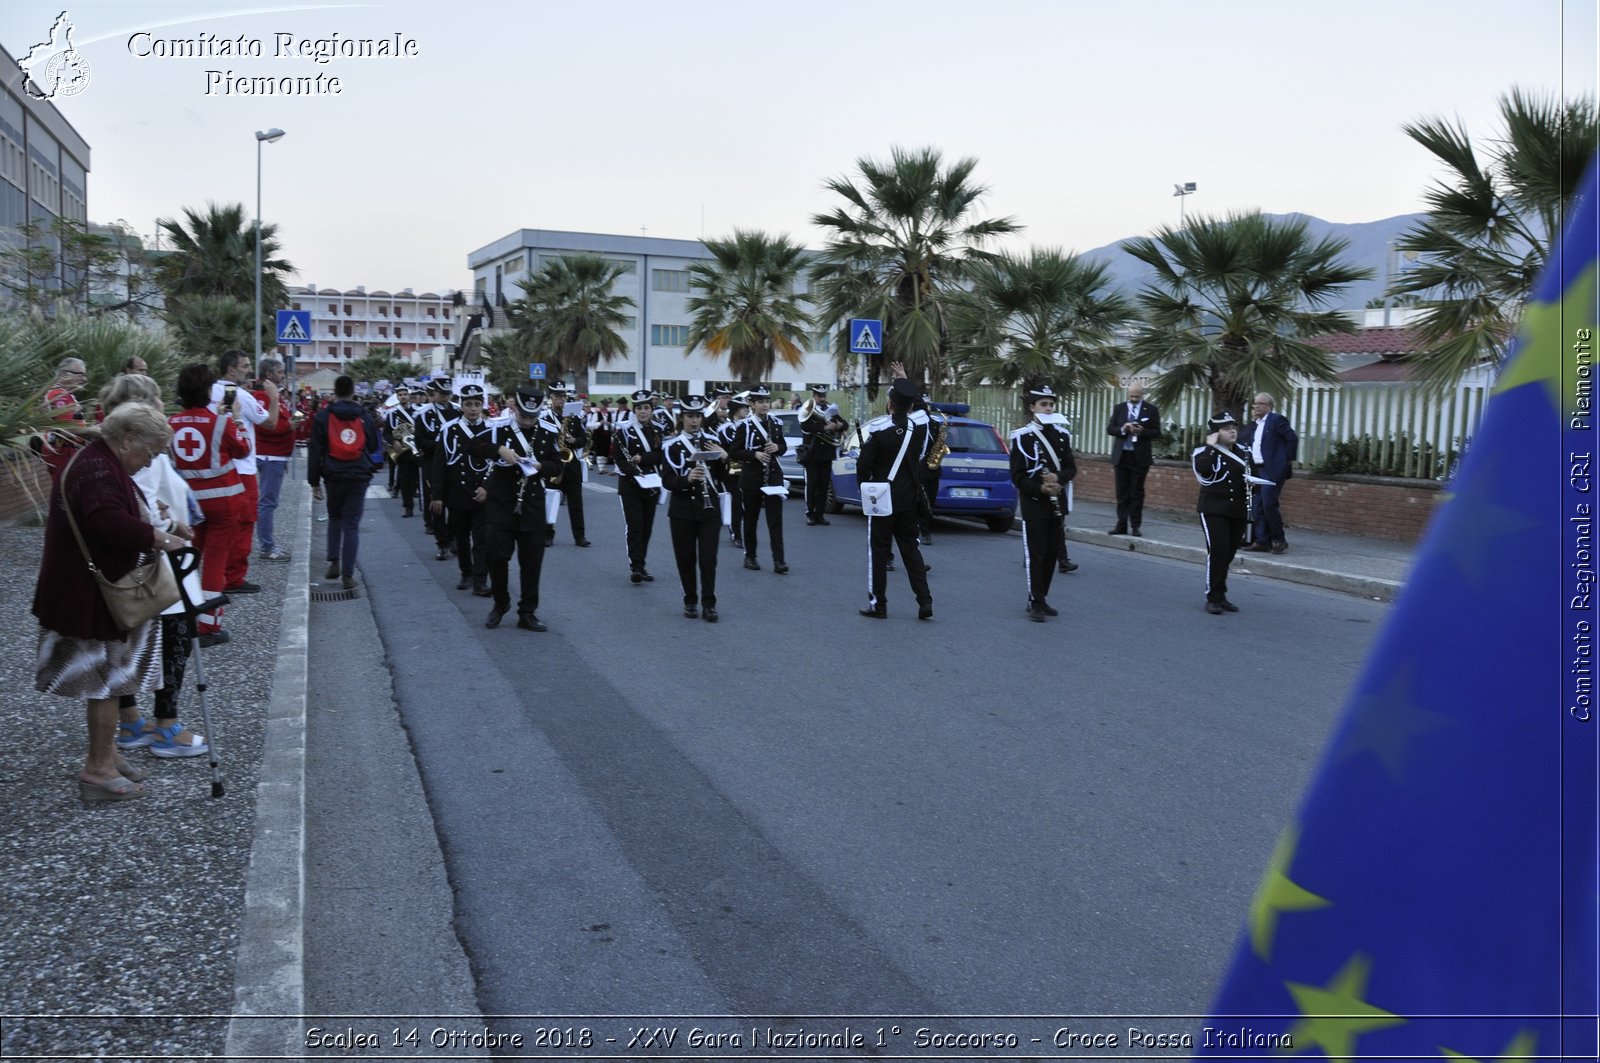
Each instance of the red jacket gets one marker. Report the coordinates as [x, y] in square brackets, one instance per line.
[111, 518]
[204, 445]
[276, 442]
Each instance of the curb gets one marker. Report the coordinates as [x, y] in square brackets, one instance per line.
[1373, 587]
[269, 978]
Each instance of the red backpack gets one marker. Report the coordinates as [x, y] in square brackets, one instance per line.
[347, 439]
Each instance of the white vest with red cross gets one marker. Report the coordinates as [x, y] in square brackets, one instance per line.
[198, 438]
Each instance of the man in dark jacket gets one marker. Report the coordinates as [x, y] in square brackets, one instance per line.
[1273, 447]
[345, 448]
[1136, 424]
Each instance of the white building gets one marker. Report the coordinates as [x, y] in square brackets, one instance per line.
[346, 325]
[657, 280]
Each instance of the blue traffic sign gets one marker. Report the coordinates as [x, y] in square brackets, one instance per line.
[536, 371]
[866, 336]
[294, 326]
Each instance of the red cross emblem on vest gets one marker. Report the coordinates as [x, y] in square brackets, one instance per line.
[189, 443]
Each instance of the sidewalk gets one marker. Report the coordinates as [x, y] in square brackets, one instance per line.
[191, 909]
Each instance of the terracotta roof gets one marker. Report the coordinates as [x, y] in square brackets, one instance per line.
[1388, 341]
[1385, 370]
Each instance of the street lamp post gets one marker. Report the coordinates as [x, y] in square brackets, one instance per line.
[1185, 189]
[269, 136]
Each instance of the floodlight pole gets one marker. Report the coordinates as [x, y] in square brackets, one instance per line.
[268, 136]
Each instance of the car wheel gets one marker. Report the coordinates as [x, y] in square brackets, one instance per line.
[833, 505]
[998, 524]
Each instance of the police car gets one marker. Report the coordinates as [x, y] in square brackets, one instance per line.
[975, 479]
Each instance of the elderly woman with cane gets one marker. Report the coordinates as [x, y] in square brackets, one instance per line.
[83, 652]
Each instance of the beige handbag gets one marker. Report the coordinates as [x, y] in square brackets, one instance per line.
[143, 593]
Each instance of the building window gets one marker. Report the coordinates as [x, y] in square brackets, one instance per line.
[384, 310]
[333, 351]
[383, 330]
[346, 309]
[669, 335]
[399, 311]
[602, 379]
[669, 280]
[397, 332]
[332, 308]
[295, 306]
[446, 333]
[821, 343]
[430, 312]
[630, 323]
[676, 388]
[347, 352]
[349, 330]
[433, 334]
[333, 330]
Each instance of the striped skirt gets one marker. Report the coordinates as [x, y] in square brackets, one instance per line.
[100, 668]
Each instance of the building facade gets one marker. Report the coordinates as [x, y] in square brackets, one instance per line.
[44, 163]
[346, 325]
[656, 278]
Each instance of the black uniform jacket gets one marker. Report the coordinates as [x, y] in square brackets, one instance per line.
[1221, 470]
[1031, 459]
[505, 479]
[689, 499]
[745, 439]
[456, 472]
[884, 437]
[631, 456]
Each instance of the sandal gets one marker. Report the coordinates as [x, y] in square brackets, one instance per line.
[114, 789]
[166, 743]
[135, 734]
[128, 771]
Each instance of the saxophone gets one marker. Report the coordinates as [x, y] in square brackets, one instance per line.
[939, 449]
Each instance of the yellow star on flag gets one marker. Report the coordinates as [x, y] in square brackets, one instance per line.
[1335, 1014]
[1277, 894]
[1545, 353]
[1383, 722]
[1521, 1047]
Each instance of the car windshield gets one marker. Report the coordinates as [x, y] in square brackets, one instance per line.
[972, 439]
[791, 426]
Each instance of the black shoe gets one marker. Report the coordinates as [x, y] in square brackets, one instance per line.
[549, 541]
[635, 577]
[463, 583]
[824, 520]
[348, 583]
[737, 542]
[889, 565]
[1067, 566]
[214, 638]
[880, 613]
[1278, 547]
[243, 587]
[481, 590]
[1255, 548]
[751, 563]
[924, 612]
[1119, 530]
[333, 570]
[691, 612]
[1228, 607]
[1046, 608]
[646, 576]
[408, 513]
[442, 554]
[812, 522]
[925, 539]
[1214, 608]
[1035, 613]
[529, 622]
[710, 615]
[497, 614]
[779, 567]
[1137, 534]
[582, 542]
[427, 525]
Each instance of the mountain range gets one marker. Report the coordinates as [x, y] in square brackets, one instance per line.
[1368, 241]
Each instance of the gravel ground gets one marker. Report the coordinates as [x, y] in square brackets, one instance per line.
[121, 922]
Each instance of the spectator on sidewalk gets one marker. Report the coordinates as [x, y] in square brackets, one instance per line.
[205, 448]
[274, 447]
[229, 393]
[344, 449]
[82, 652]
[1273, 447]
[1135, 424]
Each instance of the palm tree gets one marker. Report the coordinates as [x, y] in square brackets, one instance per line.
[1049, 318]
[744, 304]
[899, 246]
[504, 362]
[1232, 304]
[206, 325]
[568, 315]
[1490, 226]
[215, 256]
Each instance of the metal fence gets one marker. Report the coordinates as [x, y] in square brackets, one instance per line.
[1382, 429]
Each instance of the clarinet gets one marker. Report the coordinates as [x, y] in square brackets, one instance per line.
[699, 442]
[774, 470]
[1041, 468]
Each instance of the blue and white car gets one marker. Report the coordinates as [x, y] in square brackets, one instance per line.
[975, 479]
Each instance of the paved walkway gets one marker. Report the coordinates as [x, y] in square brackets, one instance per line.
[191, 908]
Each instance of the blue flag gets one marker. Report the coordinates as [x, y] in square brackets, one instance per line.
[1437, 896]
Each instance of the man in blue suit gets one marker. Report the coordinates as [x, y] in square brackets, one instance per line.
[1273, 447]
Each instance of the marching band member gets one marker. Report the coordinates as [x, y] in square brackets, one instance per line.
[888, 455]
[636, 452]
[757, 441]
[514, 503]
[573, 438]
[402, 422]
[600, 424]
[1041, 467]
[664, 416]
[1223, 469]
[430, 423]
[819, 429]
[738, 410]
[694, 510]
[458, 479]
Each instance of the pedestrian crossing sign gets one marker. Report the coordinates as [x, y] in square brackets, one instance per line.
[535, 370]
[866, 336]
[294, 326]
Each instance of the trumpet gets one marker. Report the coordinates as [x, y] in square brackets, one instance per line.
[403, 441]
[569, 428]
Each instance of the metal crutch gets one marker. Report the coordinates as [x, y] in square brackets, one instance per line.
[185, 562]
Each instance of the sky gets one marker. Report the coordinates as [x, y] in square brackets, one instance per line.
[690, 118]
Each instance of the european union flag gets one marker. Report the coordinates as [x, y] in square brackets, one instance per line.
[1437, 897]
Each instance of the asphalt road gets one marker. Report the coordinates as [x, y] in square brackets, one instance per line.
[799, 811]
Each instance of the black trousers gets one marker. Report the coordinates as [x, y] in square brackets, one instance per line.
[1130, 493]
[469, 531]
[754, 503]
[524, 536]
[694, 546]
[730, 484]
[426, 491]
[817, 477]
[572, 495]
[1223, 536]
[639, 516]
[406, 477]
[1043, 547]
[900, 528]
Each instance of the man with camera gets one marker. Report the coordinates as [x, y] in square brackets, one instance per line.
[230, 396]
